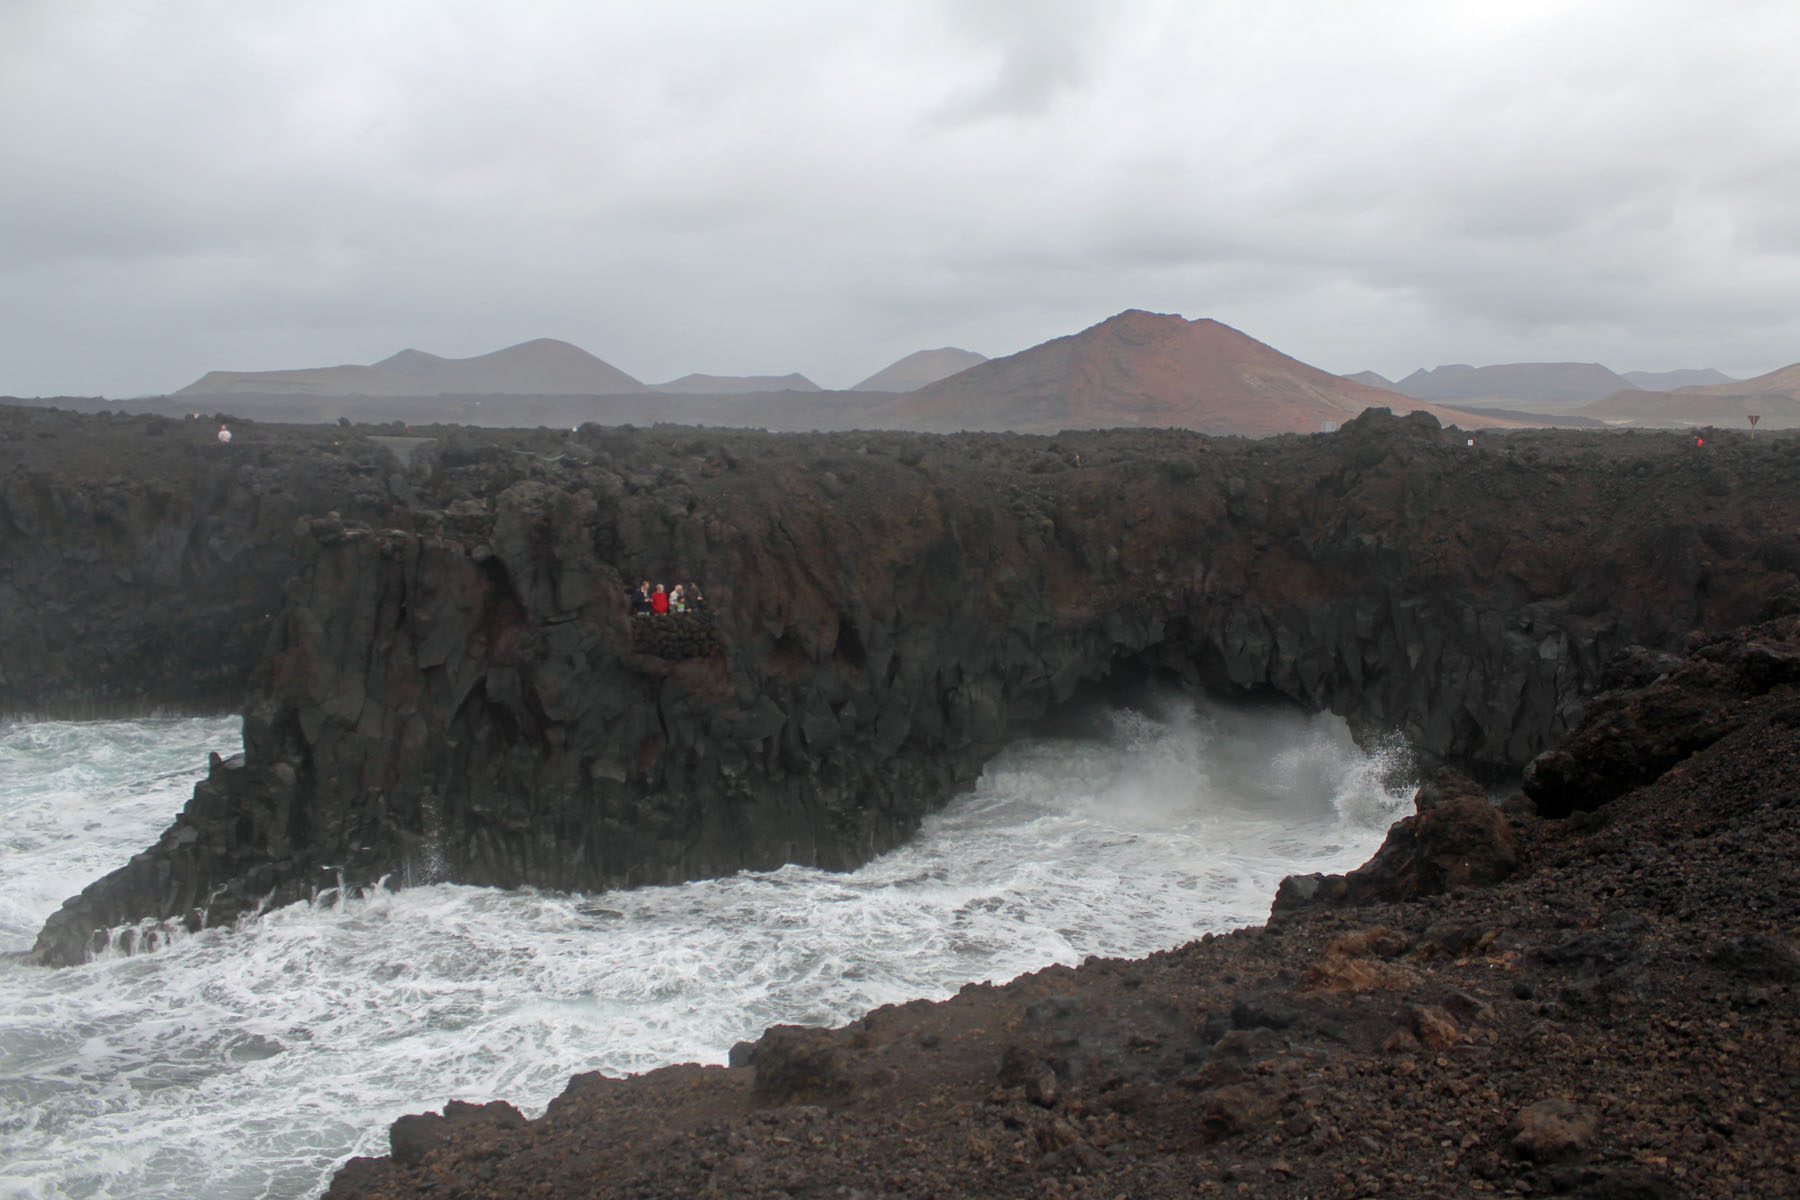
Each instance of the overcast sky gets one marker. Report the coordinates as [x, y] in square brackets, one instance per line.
[790, 185]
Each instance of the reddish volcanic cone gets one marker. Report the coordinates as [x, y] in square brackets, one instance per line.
[1150, 369]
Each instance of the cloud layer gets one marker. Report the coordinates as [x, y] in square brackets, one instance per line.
[810, 186]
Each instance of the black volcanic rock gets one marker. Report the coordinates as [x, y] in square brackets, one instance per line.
[1631, 736]
[142, 562]
[468, 699]
[413, 1137]
[454, 686]
[1456, 838]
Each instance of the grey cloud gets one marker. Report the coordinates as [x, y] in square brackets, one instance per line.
[1038, 50]
[817, 187]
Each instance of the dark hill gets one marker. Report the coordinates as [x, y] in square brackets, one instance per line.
[887, 608]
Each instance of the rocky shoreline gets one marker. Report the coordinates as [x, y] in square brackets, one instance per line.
[1589, 990]
[1604, 1005]
[452, 687]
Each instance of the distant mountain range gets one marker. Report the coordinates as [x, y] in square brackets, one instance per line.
[1664, 381]
[541, 367]
[1134, 369]
[1561, 389]
[1588, 393]
[1542, 387]
[1774, 399]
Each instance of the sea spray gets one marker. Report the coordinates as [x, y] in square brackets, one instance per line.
[252, 1061]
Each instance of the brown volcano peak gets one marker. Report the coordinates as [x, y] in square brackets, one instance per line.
[1150, 369]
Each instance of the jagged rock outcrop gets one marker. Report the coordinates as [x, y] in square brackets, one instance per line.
[1456, 838]
[465, 699]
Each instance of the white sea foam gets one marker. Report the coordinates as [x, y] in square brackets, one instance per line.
[79, 798]
[250, 1062]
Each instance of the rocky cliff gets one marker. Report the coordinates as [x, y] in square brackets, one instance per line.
[459, 692]
[142, 560]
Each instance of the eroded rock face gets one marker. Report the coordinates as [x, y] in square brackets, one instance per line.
[466, 697]
[1641, 727]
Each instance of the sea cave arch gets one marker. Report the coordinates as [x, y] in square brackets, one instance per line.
[886, 612]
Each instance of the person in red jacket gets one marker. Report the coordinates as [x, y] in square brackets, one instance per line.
[659, 601]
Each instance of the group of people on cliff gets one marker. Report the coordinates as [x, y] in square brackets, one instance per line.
[660, 601]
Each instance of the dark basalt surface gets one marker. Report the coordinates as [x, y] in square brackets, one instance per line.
[1603, 1006]
[454, 689]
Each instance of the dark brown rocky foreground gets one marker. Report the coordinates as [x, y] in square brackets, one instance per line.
[1605, 1005]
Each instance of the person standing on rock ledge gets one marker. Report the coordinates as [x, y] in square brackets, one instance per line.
[224, 434]
[659, 601]
[678, 599]
[640, 599]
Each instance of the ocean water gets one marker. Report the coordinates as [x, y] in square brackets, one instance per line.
[251, 1062]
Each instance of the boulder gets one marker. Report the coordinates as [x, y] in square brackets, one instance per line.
[796, 1062]
[1554, 1130]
